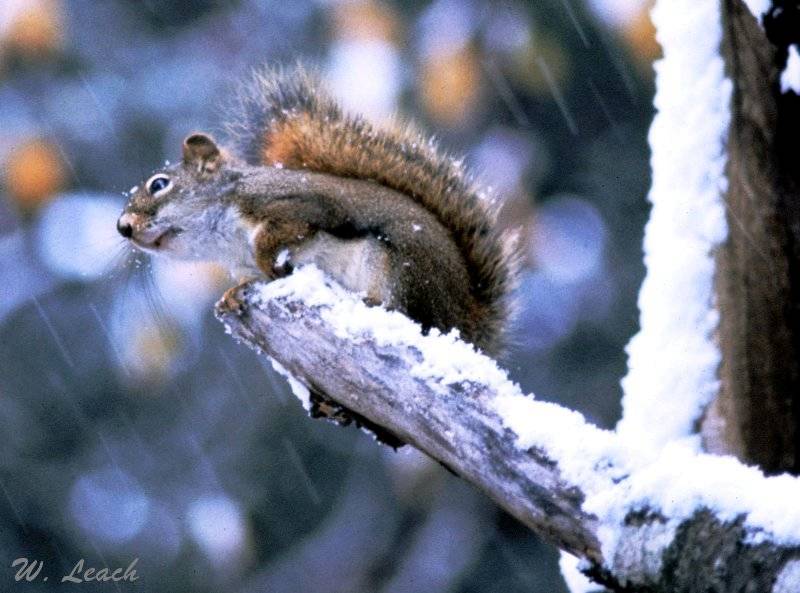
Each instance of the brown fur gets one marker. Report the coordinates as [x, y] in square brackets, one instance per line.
[286, 120]
[424, 273]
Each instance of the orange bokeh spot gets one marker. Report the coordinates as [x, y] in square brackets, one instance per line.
[365, 20]
[34, 172]
[640, 35]
[36, 30]
[450, 85]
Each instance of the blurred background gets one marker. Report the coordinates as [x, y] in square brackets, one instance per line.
[133, 427]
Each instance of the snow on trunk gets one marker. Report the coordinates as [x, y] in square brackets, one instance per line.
[790, 77]
[673, 360]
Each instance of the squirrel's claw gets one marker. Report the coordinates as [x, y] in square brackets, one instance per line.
[229, 303]
[232, 299]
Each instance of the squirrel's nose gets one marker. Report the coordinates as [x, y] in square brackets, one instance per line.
[124, 227]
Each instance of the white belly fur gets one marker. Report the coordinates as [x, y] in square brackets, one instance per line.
[359, 265]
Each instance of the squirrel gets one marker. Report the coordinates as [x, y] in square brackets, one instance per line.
[379, 209]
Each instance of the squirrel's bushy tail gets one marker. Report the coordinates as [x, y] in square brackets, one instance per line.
[284, 118]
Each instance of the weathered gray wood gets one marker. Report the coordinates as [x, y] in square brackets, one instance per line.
[458, 427]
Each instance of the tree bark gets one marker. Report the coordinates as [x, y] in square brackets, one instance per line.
[757, 412]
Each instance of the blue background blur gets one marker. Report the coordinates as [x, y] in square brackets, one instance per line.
[133, 427]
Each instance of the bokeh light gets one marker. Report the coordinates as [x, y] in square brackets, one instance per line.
[34, 172]
[618, 13]
[78, 237]
[366, 75]
[109, 504]
[569, 239]
[32, 28]
[218, 527]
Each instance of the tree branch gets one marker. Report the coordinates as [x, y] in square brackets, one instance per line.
[640, 521]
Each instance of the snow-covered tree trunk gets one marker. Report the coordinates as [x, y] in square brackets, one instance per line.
[757, 412]
[650, 506]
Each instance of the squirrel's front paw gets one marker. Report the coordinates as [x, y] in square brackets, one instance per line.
[232, 300]
[230, 303]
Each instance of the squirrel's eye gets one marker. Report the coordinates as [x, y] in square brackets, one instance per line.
[158, 184]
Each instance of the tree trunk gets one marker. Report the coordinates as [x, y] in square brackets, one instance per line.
[756, 414]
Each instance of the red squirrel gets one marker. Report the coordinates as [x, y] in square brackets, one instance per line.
[381, 210]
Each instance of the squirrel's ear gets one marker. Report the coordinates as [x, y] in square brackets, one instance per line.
[201, 153]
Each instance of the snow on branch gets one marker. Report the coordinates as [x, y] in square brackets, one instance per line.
[634, 518]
